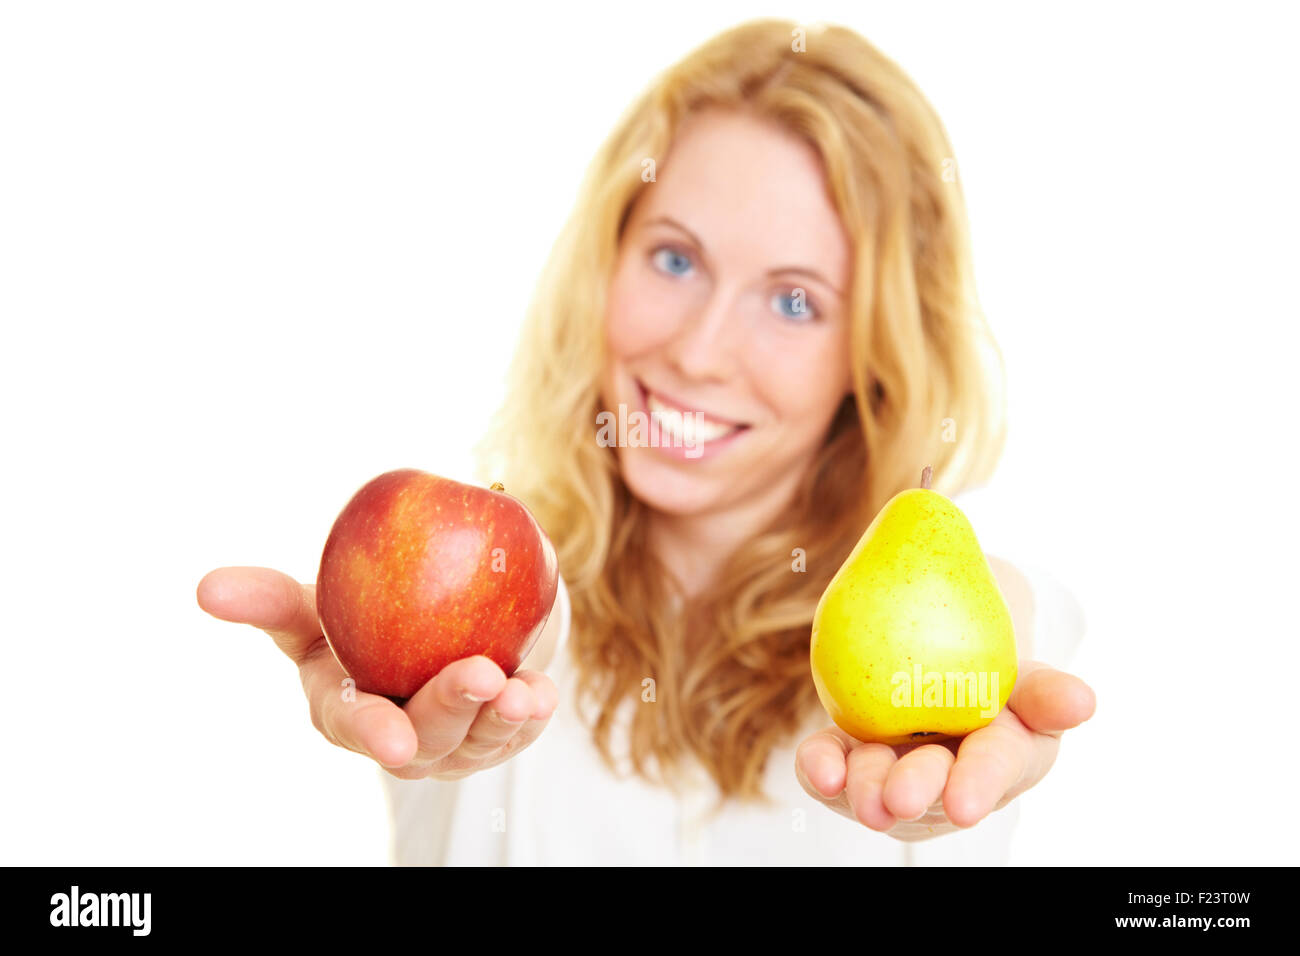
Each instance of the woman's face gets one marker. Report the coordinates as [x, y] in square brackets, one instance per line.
[729, 299]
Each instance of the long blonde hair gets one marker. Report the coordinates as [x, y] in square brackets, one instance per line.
[731, 669]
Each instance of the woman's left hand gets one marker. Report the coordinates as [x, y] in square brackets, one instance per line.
[916, 791]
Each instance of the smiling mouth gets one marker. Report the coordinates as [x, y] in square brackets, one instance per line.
[679, 421]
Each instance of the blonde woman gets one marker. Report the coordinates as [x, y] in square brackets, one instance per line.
[768, 240]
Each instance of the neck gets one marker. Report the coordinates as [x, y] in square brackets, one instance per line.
[694, 547]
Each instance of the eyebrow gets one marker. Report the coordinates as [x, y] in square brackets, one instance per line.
[779, 270]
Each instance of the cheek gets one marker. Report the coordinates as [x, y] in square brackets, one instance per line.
[802, 383]
[640, 315]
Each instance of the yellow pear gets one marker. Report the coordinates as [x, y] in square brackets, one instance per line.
[912, 640]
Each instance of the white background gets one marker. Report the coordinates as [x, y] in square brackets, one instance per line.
[253, 254]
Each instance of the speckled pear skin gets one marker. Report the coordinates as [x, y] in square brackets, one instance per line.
[917, 595]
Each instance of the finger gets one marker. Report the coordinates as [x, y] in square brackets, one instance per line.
[1050, 701]
[365, 723]
[869, 766]
[548, 698]
[917, 780]
[445, 707]
[266, 599]
[821, 764]
[521, 739]
[990, 762]
[498, 720]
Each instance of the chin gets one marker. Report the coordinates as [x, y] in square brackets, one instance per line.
[663, 487]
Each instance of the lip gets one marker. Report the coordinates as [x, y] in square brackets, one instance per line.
[683, 407]
[680, 452]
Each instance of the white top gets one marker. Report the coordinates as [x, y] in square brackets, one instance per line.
[556, 803]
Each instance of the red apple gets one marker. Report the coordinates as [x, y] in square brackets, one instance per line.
[419, 571]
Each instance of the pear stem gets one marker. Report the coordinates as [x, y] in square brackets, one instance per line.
[925, 477]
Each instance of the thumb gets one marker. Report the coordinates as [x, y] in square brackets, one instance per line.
[266, 599]
[1050, 701]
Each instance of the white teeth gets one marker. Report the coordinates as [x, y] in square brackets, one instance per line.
[689, 428]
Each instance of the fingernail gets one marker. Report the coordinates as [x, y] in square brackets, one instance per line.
[473, 699]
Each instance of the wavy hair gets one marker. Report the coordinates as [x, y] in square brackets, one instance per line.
[731, 667]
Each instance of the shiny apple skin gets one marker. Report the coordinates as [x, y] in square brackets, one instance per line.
[407, 581]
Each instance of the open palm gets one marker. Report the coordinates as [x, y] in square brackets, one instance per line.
[915, 791]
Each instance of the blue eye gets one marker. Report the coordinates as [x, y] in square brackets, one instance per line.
[671, 261]
[796, 306]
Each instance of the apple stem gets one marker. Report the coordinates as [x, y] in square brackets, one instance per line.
[925, 477]
[497, 486]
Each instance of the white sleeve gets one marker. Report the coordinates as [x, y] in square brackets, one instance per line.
[422, 813]
[425, 813]
[1058, 615]
[564, 609]
[1059, 621]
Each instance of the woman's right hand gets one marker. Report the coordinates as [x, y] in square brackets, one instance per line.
[469, 717]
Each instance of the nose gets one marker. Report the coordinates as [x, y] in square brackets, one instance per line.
[704, 348]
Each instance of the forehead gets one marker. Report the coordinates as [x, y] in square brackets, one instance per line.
[748, 186]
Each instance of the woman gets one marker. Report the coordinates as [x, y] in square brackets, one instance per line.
[770, 247]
